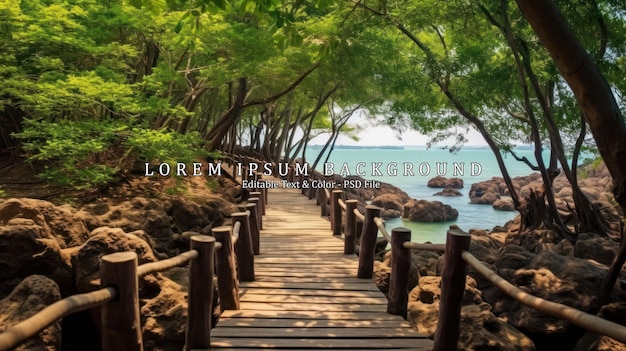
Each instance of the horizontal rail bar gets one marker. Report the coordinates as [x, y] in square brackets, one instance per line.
[416, 246]
[160, 266]
[359, 215]
[380, 223]
[341, 204]
[39, 321]
[582, 319]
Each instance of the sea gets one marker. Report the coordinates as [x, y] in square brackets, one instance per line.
[478, 163]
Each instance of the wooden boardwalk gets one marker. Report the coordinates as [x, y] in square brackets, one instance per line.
[306, 295]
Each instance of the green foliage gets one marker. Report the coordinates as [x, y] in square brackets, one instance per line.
[88, 153]
[74, 153]
[166, 146]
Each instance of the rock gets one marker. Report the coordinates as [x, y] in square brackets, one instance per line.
[592, 246]
[429, 211]
[30, 249]
[32, 295]
[163, 317]
[535, 240]
[381, 275]
[390, 203]
[448, 192]
[443, 182]
[486, 192]
[614, 312]
[503, 205]
[567, 280]
[61, 222]
[480, 328]
[104, 241]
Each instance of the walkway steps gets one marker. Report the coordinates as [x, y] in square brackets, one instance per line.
[306, 295]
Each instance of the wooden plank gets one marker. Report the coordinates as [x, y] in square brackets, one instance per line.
[263, 298]
[316, 277]
[279, 306]
[303, 332]
[321, 282]
[277, 283]
[310, 292]
[354, 315]
[416, 344]
[308, 323]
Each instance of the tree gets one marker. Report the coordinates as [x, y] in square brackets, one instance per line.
[595, 98]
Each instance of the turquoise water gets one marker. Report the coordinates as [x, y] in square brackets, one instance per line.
[470, 215]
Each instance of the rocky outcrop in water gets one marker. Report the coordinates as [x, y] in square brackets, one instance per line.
[429, 211]
[443, 182]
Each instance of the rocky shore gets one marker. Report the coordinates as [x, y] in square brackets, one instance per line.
[540, 262]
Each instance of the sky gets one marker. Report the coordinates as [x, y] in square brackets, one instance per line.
[383, 135]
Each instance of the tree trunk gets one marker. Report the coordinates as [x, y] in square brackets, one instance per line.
[595, 98]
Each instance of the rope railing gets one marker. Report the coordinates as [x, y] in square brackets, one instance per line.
[582, 319]
[426, 247]
[341, 204]
[163, 265]
[24, 330]
[380, 223]
[359, 215]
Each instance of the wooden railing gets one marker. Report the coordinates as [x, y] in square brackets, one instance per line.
[119, 296]
[343, 217]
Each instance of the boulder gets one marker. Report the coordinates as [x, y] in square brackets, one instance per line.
[33, 294]
[614, 312]
[567, 280]
[391, 205]
[594, 247]
[448, 192]
[443, 182]
[487, 192]
[429, 211]
[104, 241]
[503, 205]
[27, 249]
[480, 328]
[61, 222]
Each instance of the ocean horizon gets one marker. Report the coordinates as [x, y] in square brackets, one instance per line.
[427, 163]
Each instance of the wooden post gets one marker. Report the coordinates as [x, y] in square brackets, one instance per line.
[336, 212]
[243, 248]
[349, 241]
[323, 202]
[259, 194]
[257, 203]
[400, 269]
[255, 234]
[368, 242]
[452, 289]
[359, 229]
[310, 190]
[121, 325]
[302, 178]
[227, 283]
[200, 298]
[291, 173]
